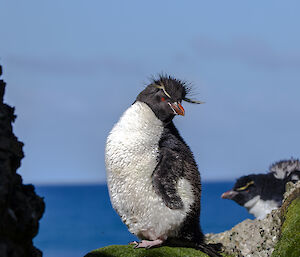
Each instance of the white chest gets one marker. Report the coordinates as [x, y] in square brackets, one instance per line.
[132, 145]
[260, 208]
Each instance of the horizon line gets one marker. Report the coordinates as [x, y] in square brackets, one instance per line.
[101, 183]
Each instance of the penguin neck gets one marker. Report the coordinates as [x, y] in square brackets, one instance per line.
[139, 116]
[137, 126]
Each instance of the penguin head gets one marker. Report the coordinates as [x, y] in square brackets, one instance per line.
[260, 186]
[245, 189]
[164, 96]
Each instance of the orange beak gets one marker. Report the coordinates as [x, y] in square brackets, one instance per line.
[177, 108]
[229, 194]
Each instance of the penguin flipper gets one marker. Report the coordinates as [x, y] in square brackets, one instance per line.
[165, 176]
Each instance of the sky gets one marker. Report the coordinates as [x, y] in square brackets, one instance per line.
[73, 67]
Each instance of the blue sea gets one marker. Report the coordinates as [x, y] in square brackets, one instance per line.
[79, 219]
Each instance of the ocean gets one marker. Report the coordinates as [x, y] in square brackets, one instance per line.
[79, 219]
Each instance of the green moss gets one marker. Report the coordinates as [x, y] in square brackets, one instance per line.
[288, 244]
[127, 250]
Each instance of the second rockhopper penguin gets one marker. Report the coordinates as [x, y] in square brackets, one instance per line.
[262, 193]
[153, 179]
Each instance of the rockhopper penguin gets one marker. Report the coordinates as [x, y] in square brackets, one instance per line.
[153, 179]
[262, 193]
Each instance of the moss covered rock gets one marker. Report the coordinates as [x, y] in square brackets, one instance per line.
[129, 251]
[289, 242]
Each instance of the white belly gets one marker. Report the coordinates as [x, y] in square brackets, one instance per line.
[131, 157]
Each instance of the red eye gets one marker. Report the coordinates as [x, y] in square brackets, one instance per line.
[163, 99]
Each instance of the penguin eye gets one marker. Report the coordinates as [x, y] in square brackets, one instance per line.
[246, 186]
[163, 99]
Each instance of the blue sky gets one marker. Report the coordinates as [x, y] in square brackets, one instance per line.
[73, 67]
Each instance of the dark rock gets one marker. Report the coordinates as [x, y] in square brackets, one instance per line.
[20, 207]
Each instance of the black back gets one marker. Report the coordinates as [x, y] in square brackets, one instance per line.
[177, 161]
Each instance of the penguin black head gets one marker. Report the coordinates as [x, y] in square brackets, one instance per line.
[266, 186]
[245, 189]
[164, 96]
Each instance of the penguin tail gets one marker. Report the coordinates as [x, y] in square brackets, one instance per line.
[212, 250]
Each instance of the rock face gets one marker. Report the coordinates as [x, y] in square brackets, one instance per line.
[260, 237]
[251, 237]
[20, 208]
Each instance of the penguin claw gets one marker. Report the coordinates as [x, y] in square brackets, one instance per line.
[147, 244]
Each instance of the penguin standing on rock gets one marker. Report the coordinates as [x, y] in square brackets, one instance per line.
[153, 179]
[262, 193]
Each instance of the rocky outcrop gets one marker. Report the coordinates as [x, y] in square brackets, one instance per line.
[250, 237]
[20, 208]
[260, 237]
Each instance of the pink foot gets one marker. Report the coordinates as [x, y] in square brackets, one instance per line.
[147, 244]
